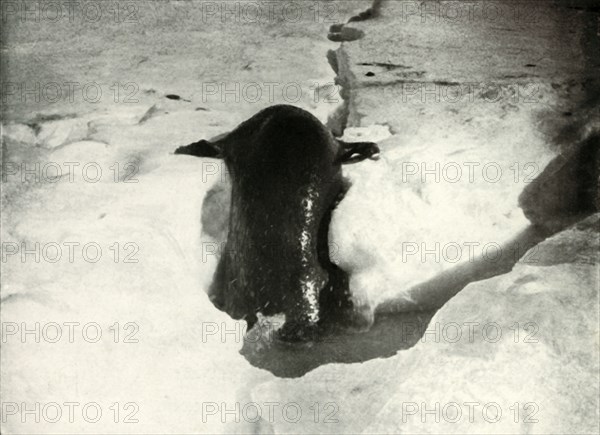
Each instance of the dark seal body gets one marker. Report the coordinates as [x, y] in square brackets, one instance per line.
[285, 169]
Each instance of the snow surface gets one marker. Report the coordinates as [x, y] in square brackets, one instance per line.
[186, 361]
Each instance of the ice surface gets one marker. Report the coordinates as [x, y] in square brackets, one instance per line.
[146, 205]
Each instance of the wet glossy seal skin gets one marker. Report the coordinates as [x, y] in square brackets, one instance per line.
[285, 169]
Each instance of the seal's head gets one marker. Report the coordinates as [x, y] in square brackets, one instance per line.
[285, 168]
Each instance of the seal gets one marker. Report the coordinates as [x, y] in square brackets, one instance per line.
[286, 174]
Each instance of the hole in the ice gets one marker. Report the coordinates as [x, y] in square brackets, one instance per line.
[388, 334]
[370, 74]
[173, 97]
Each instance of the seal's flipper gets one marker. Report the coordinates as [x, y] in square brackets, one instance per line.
[202, 148]
[352, 152]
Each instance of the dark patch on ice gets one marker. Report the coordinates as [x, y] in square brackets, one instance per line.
[370, 74]
[13, 297]
[35, 127]
[567, 189]
[336, 28]
[5, 299]
[523, 280]
[412, 74]
[203, 109]
[36, 122]
[345, 34]
[386, 65]
[363, 16]
[519, 76]
[445, 83]
[333, 61]
[42, 117]
[373, 12]
[149, 114]
[176, 97]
